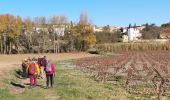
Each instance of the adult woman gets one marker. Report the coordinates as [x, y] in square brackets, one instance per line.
[50, 73]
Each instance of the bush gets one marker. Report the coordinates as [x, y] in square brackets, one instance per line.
[93, 51]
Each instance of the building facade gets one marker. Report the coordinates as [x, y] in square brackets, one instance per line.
[132, 32]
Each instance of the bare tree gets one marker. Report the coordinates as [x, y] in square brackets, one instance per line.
[83, 18]
[151, 32]
[58, 24]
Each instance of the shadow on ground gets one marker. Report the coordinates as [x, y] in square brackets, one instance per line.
[20, 80]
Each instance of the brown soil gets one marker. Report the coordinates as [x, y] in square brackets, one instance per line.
[8, 61]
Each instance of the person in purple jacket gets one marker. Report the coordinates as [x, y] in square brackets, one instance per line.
[50, 73]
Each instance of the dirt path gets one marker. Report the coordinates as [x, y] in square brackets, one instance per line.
[14, 60]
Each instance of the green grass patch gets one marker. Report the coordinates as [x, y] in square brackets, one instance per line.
[5, 95]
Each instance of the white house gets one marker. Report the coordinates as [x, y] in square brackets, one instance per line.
[59, 29]
[100, 29]
[124, 38]
[97, 29]
[133, 32]
[114, 28]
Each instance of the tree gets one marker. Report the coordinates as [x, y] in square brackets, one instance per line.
[9, 30]
[83, 36]
[83, 18]
[91, 40]
[165, 30]
[59, 20]
[106, 28]
[58, 24]
[27, 32]
[108, 37]
[82, 33]
[42, 34]
[151, 32]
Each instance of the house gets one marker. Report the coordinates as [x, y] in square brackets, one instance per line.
[114, 28]
[100, 29]
[97, 29]
[132, 32]
[60, 29]
[39, 29]
[124, 38]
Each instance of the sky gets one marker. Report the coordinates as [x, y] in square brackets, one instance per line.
[100, 12]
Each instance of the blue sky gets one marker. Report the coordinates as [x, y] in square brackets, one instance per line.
[100, 12]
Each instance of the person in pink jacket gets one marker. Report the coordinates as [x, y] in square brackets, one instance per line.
[50, 73]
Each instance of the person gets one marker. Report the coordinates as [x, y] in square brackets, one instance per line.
[39, 61]
[41, 69]
[50, 73]
[42, 62]
[33, 71]
[29, 59]
[24, 67]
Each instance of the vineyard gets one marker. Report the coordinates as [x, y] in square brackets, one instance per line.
[142, 73]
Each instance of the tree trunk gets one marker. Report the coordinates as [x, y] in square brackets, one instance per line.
[29, 43]
[17, 44]
[54, 44]
[7, 48]
[58, 47]
[4, 43]
[54, 47]
[43, 42]
[42, 51]
[39, 47]
[29, 51]
[1, 45]
[10, 47]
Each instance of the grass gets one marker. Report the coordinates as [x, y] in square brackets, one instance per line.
[77, 86]
[70, 84]
[5, 95]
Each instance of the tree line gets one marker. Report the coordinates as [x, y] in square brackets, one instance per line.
[57, 34]
[151, 31]
[42, 35]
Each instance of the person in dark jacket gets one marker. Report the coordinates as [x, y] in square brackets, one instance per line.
[50, 73]
[24, 67]
[42, 63]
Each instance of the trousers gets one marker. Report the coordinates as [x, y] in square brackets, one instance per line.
[33, 81]
[50, 80]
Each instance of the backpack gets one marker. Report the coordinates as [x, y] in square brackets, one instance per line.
[48, 68]
[32, 69]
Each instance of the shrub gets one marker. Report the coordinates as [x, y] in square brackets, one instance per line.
[93, 51]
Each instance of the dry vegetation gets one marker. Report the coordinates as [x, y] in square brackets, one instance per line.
[152, 45]
[140, 73]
